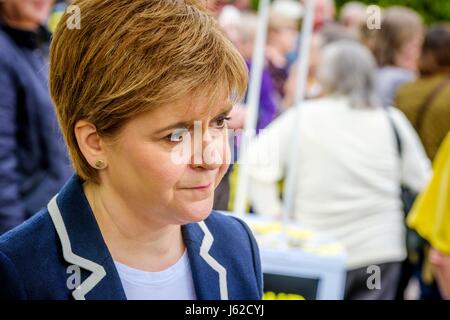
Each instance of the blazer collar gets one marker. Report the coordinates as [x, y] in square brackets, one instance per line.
[210, 277]
[83, 245]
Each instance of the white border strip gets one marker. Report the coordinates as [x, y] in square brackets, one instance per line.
[204, 253]
[98, 272]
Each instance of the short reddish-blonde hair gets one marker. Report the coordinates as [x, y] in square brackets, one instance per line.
[130, 56]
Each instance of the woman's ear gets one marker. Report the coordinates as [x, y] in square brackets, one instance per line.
[90, 144]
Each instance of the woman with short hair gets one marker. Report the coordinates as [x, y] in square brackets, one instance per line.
[131, 86]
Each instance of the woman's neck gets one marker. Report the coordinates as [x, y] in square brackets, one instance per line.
[131, 239]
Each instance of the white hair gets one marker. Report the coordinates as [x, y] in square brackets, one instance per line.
[288, 9]
[352, 9]
[248, 26]
[347, 68]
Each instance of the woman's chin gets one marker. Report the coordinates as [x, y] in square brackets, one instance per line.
[196, 211]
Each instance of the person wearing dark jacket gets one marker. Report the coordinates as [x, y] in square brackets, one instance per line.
[33, 160]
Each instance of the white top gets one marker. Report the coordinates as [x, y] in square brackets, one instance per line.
[174, 283]
[348, 175]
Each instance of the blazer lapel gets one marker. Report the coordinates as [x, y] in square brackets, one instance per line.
[83, 244]
[210, 277]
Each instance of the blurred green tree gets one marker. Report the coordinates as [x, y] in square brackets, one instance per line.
[432, 11]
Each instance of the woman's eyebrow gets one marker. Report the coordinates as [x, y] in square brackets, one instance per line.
[181, 124]
[187, 124]
[225, 110]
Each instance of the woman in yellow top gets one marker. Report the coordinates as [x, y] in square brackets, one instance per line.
[430, 217]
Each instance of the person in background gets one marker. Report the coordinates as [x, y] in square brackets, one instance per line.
[135, 92]
[33, 159]
[353, 16]
[267, 110]
[426, 104]
[430, 217]
[329, 33]
[282, 37]
[324, 12]
[397, 51]
[426, 101]
[349, 172]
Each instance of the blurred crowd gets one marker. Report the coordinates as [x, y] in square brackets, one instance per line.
[376, 113]
[375, 118]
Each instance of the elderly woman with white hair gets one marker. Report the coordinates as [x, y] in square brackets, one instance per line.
[349, 172]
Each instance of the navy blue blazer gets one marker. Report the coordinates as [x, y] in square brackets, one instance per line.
[38, 259]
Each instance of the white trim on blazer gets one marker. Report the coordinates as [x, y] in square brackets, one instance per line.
[98, 272]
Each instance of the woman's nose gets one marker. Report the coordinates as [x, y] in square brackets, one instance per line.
[210, 152]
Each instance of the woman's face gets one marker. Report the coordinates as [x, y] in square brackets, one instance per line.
[26, 13]
[409, 54]
[166, 163]
[287, 37]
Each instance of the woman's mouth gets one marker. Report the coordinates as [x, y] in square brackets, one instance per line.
[203, 187]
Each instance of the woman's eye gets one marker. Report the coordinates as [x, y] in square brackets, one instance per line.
[221, 121]
[176, 136]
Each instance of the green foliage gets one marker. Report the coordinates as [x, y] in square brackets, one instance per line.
[432, 11]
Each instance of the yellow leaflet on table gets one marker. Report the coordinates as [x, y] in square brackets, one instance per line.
[274, 235]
